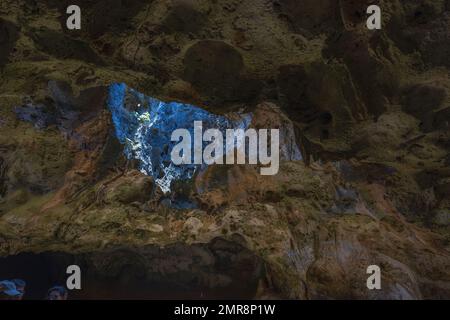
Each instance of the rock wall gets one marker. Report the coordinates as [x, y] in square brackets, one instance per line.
[369, 110]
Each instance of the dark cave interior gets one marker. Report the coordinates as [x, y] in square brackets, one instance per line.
[122, 274]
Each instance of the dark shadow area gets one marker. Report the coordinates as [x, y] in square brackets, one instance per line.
[219, 270]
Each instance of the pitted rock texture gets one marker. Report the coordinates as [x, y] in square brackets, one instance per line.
[369, 110]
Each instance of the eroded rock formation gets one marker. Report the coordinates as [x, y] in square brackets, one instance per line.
[370, 111]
